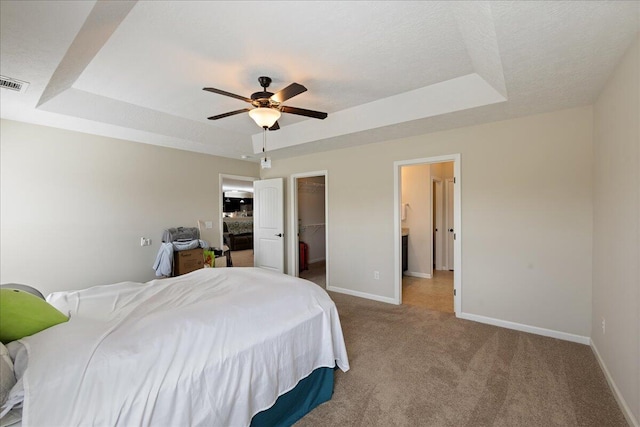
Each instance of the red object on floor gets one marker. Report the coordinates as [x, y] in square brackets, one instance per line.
[304, 256]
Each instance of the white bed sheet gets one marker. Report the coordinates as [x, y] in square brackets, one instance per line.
[212, 347]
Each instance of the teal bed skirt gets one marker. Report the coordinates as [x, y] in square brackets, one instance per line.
[311, 391]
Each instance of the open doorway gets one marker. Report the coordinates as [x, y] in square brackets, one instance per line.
[236, 213]
[426, 281]
[309, 197]
[428, 221]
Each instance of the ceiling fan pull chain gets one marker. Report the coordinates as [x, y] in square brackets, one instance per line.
[264, 140]
[265, 163]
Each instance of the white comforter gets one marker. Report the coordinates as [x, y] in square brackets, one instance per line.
[212, 348]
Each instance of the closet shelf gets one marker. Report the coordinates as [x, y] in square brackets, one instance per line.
[314, 227]
[310, 187]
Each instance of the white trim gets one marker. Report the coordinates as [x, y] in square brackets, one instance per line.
[457, 221]
[294, 268]
[221, 178]
[294, 264]
[397, 236]
[447, 226]
[311, 261]
[416, 274]
[525, 328]
[626, 411]
[361, 294]
[457, 244]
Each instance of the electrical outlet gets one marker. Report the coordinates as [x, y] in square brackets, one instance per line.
[376, 275]
[145, 242]
[604, 326]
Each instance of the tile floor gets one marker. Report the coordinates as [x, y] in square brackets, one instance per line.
[435, 293]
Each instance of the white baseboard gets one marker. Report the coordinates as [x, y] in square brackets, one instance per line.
[416, 274]
[616, 392]
[311, 261]
[362, 295]
[526, 328]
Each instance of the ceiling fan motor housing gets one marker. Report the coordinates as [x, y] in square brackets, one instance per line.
[261, 99]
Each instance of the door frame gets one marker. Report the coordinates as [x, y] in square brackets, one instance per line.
[294, 263]
[457, 220]
[221, 178]
[447, 244]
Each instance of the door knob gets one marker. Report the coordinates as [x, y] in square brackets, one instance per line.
[279, 235]
[451, 230]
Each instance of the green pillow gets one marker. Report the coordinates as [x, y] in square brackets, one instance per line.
[23, 314]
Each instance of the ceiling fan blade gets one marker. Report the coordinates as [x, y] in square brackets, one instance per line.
[303, 112]
[231, 113]
[222, 92]
[275, 126]
[288, 92]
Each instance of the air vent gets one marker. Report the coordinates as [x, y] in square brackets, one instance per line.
[13, 84]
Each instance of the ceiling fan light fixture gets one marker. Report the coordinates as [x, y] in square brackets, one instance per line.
[265, 117]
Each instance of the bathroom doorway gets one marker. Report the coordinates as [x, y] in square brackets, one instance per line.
[427, 197]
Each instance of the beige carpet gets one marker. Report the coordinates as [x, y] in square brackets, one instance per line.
[415, 367]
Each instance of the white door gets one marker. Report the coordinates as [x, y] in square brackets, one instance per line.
[449, 221]
[268, 224]
[438, 223]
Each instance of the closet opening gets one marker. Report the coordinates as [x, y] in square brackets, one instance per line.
[309, 218]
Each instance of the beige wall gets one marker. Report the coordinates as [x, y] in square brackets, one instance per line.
[616, 228]
[526, 215]
[74, 206]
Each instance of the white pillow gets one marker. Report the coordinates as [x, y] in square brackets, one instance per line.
[7, 377]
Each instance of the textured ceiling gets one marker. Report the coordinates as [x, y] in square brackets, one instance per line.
[135, 70]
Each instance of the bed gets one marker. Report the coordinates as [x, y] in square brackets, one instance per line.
[215, 347]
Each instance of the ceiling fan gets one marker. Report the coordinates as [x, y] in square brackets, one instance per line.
[268, 106]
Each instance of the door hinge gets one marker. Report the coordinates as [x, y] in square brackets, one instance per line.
[454, 292]
[454, 179]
